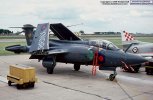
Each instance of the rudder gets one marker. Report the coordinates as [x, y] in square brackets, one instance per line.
[40, 40]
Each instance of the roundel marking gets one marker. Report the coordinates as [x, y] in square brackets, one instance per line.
[101, 58]
[135, 49]
[43, 27]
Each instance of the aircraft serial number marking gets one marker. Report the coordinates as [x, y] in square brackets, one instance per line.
[41, 41]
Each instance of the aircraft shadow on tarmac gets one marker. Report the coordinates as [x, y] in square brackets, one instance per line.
[66, 70]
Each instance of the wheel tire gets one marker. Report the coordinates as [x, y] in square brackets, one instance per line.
[32, 85]
[76, 67]
[9, 83]
[18, 86]
[111, 77]
[25, 85]
[136, 68]
[147, 73]
[50, 70]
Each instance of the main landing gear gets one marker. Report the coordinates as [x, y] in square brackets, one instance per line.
[112, 76]
[50, 70]
[49, 63]
[76, 67]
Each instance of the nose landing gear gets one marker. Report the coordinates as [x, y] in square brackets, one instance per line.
[112, 76]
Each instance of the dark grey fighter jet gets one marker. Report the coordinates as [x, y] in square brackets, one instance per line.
[77, 52]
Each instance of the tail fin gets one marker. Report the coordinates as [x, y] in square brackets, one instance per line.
[127, 40]
[28, 30]
[127, 36]
[40, 40]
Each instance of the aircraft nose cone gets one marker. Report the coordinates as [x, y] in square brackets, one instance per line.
[134, 59]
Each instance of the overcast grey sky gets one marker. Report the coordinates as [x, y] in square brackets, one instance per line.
[93, 15]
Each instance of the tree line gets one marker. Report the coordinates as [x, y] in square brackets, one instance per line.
[5, 32]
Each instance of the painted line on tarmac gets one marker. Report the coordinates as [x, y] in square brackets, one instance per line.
[3, 79]
[104, 98]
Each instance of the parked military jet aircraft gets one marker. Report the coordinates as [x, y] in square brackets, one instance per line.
[131, 45]
[144, 49]
[78, 52]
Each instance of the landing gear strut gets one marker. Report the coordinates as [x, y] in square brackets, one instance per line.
[112, 76]
[49, 63]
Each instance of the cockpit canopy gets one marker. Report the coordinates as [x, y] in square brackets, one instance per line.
[103, 44]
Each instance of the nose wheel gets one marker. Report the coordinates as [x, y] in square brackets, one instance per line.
[112, 76]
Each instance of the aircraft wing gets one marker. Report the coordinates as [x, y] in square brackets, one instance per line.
[50, 52]
[41, 38]
[57, 51]
[62, 32]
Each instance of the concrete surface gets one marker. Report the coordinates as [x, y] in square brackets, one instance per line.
[67, 84]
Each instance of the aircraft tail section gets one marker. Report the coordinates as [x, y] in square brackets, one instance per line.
[128, 40]
[127, 37]
[28, 30]
[40, 40]
[62, 32]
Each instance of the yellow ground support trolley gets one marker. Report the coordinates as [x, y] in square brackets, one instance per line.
[23, 76]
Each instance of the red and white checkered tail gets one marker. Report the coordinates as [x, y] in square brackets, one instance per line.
[127, 37]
